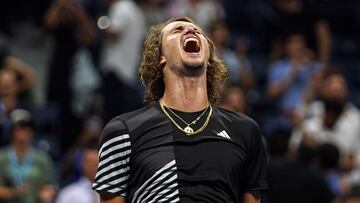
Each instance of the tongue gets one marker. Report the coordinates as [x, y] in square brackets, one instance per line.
[192, 47]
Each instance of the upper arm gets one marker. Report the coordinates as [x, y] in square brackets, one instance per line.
[114, 161]
[255, 168]
[322, 29]
[23, 70]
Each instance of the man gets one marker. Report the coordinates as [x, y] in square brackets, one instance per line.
[180, 148]
[120, 57]
[332, 119]
[234, 99]
[26, 173]
[80, 191]
[289, 78]
[298, 17]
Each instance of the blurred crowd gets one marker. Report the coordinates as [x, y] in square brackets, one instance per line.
[293, 67]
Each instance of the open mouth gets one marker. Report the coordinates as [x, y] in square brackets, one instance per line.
[191, 45]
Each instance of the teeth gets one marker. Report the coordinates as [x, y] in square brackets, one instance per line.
[190, 39]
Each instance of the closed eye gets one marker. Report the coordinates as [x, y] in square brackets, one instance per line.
[198, 32]
[178, 29]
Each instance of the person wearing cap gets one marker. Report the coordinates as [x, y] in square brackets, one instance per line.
[26, 173]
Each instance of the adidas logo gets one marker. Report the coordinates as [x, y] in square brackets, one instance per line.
[224, 134]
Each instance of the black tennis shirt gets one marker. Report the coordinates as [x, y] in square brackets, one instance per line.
[146, 158]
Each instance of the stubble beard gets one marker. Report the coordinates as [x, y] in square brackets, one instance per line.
[193, 69]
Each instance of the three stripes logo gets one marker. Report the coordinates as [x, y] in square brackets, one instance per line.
[224, 134]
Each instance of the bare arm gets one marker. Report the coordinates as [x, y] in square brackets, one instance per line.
[53, 15]
[251, 197]
[23, 70]
[7, 193]
[322, 32]
[247, 78]
[70, 12]
[110, 198]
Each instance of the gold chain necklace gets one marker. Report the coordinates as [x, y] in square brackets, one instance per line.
[192, 122]
[188, 130]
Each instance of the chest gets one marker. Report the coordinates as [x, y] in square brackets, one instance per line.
[214, 151]
[30, 172]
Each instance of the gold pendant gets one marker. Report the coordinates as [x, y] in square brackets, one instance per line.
[188, 130]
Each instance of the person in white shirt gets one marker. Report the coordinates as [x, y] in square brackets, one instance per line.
[121, 56]
[333, 119]
[80, 191]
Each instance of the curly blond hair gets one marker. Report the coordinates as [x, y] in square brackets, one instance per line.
[151, 73]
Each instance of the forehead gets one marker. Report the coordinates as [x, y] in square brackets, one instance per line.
[175, 24]
[335, 79]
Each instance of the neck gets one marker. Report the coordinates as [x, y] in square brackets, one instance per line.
[188, 94]
[20, 149]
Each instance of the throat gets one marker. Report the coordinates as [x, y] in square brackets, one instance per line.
[183, 93]
[186, 100]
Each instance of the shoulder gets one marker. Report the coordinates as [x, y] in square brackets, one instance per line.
[233, 116]
[3, 154]
[125, 6]
[71, 192]
[41, 155]
[280, 64]
[236, 120]
[354, 111]
[126, 123]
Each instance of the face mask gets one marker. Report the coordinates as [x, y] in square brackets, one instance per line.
[334, 105]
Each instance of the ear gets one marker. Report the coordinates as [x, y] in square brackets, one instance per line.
[162, 61]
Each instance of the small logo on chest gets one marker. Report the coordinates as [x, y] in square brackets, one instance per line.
[224, 134]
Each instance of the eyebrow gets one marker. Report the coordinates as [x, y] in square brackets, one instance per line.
[177, 27]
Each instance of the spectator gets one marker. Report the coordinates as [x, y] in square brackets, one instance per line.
[71, 166]
[154, 11]
[240, 71]
[23, 71]
[80, 191]
[121, 57]
[289, 78]
[234, 99]
[292, 180]
[295, 17]
[9, 101]
[333, 119]
[328, 160]
[26, 173]
[73, 27]
[202, 11]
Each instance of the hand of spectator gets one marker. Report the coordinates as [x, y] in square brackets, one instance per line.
[348, 162]
[296, 118]
[309, 140]
[47, 194]
[296, 65]
[22, 70]
[72, 11]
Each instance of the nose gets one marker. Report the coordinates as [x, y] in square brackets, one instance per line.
[190, 30]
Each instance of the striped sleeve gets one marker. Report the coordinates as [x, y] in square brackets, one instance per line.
[114, 157]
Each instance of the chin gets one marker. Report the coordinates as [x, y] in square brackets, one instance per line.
[193, 64]
[192, 60]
